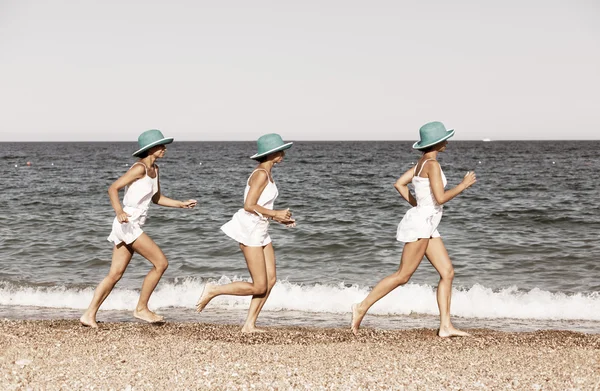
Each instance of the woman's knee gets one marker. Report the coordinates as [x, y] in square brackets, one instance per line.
[447, 274]
[115, 276]
[402, 278]
[162, 265]
[260, 288]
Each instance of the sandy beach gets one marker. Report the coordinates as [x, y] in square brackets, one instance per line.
[61, 354]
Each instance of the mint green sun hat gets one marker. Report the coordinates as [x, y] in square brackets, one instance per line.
[431, 134]
[270, 143]
[151, 138]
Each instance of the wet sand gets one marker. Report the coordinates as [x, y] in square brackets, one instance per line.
[61, 354]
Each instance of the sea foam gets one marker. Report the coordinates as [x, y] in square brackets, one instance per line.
[474, 302]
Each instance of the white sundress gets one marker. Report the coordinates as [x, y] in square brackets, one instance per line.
[248, 228]
[136, 201]
[422, 220]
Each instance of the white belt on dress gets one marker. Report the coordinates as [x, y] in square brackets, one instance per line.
[136, 213]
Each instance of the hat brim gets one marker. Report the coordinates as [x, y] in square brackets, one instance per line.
[281, 148]
[450, 133]
[166, 140]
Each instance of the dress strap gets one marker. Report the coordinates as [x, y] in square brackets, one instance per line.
[422, 165]
[258, 169]
[155, 171]
[145, 168]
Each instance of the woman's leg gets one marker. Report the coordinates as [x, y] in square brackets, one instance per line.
[146, 247]
[412, 254]
[438, 256]
[255, 259]
[258, 301]
[120, 259]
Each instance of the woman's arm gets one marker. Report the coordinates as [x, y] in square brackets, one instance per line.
[441, 195]
[162, 200]
[133, 174]
[402, 186]
[258, 183]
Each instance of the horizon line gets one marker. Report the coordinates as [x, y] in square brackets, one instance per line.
[293, 140]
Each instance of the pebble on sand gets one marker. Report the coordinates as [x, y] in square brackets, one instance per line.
[23, 362]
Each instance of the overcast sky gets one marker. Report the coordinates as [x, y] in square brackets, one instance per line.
[309, 70]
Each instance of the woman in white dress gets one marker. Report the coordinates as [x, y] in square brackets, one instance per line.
[418, 228]
[249, 227]
[127, 236]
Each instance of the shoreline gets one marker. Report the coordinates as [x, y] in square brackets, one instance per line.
[54, 354]
[268, 318]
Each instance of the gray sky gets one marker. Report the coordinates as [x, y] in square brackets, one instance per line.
[309, 70]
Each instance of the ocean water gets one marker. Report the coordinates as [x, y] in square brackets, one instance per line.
[523, 239]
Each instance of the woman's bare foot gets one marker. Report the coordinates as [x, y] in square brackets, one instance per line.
[205, 297]
[88, 321]
[450, 331]
[357, 317]
[252, 329]
[148, 316]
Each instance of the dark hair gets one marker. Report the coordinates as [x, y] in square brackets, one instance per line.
[262, 159]
[431, 147]
[142, 155]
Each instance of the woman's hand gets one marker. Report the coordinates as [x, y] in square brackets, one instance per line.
[189, 204]
[469, 179]
[122, 217]
[291, 223]
[282, 215]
